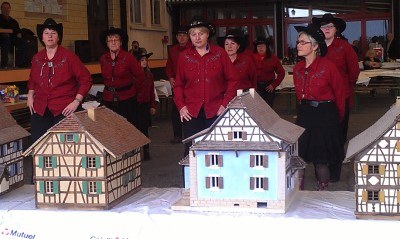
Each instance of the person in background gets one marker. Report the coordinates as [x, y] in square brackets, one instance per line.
[244, 65]
[356, 47]
[392, 48]
[205, 82]
[321, 95]
[147, 104]
[270, 72]
[123, 76]
[170, 69]
[371, 61]
[135, 47]
[7, 40]
[58, 81]
[343, 56]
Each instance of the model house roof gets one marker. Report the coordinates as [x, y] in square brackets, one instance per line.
[110, 129]
[374, 132]
[9, 128]
[266, 119]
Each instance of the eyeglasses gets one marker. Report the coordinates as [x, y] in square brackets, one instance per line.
[113, 40]
[303, 42]
[327, 26]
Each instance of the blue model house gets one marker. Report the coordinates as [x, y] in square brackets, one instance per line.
[246, 161]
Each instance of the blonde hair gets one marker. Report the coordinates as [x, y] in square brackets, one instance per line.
[202, 29]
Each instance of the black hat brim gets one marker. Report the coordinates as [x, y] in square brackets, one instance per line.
[321, 43]
[58, 28]
[339, 23]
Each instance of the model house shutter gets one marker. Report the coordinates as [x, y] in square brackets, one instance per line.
[56, 187]
[265, 185]
[98, 187]
[381, 196]
[62, 138]
[398, 197]
[244, 135]
[84, 162]
[220, 160]
[54, 161]
[207, 182]
[207, 159]
[220, 182]
[97, 162]
[398, 170]
[41, 161]
[230, 135]
[252, 161]
[364, 196]
[41, 187]
[265, 161]
[76, 138]
[382, 169]
[84, 187]
[364, 169]
[251, 183]
[398, 145]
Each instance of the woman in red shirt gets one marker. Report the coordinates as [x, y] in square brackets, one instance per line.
[321, 95]
[123, 76]
[234, 44]
[58, 81]
[270, 72]
[205, 82]
[146, 98]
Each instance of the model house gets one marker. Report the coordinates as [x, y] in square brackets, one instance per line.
[91, 159]
[376, 154]
[12, 138]
[246, 161]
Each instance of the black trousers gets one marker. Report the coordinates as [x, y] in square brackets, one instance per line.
[267, 96]
[40, 124]
[176, 121]
[126, 108]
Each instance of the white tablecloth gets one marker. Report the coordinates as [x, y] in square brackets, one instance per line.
[147, 214]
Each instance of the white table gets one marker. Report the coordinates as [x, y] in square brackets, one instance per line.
[148, 214]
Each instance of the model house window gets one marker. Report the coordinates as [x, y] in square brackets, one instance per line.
[49, 187]
[92, 188]
[90, 162]
[373, 169]
[258, 183]
[259, 160]
[237, 135]
[69, 138]
[214, 160]
[155, 12]
[136, 11]
[214, 182]
[14, 169]
[373, 195]
[47, 161]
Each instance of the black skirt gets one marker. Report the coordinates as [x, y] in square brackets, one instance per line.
[321, 142]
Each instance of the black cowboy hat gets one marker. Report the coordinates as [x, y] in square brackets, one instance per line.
[329, 18]
[49, 23]
[142, 52]
[236, 35]
[262, 40]
[113, 31]
[199, 21]
[315, 32]
[181, 29]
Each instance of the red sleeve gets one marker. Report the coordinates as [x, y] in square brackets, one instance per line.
[180, 82]
[231, 78]
[352, 65]
[137, 72]
[279, 71]
[339, 89]
[169, 70]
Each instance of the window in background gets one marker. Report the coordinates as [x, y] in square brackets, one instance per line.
[155, 12]
[135, 12]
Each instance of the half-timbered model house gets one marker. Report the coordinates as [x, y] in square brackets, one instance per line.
[376, 155]
[12, 138]
[246, 161]
[91, 160]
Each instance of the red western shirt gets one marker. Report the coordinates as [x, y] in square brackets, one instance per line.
[56, 82]
[341, 53]
[207, 81]
[123, 71]
[246, 71]
[146, 92]
[269, 70]
[173, 55]
[320, 81]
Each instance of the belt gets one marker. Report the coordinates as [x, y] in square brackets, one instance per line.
[113, 89]
[314, 103]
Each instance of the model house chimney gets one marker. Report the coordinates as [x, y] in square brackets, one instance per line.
[251, 91]
[92, 113]
[239, 92]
